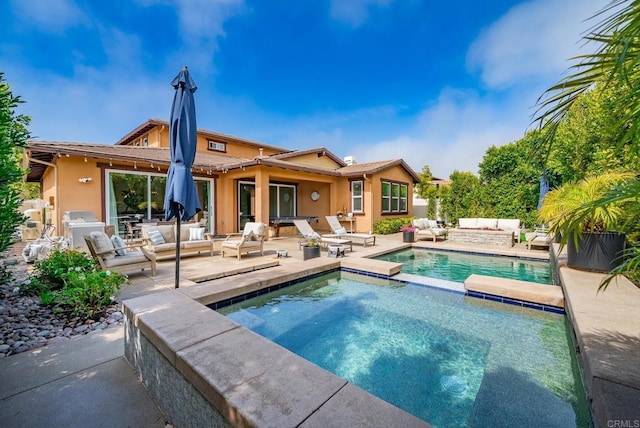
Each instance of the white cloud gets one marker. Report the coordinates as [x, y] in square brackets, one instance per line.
[354, 12]
[454, 133]
[51, 16]
[532, 40]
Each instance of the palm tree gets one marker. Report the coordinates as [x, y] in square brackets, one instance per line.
[615, 61]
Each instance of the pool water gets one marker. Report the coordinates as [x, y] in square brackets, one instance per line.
[449, 359]
[456, 266]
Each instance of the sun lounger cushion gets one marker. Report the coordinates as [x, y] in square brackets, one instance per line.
[340, 231]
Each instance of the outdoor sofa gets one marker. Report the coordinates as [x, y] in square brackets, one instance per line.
[161, 239]
[487, 231]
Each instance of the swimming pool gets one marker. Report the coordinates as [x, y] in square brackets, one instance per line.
[446, 358]
[456, 266]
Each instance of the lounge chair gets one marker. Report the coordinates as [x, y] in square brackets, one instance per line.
[307, 232]
[121, 258]
[340, 232]
[251, 239]
[429, 229]
[538, 239]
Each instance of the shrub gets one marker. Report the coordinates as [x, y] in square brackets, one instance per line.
[88, 294]
[13, 137]
[391, 225]
[71, 281]
[52, 271]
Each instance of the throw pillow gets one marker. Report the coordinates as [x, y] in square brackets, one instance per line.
[101, 242]
[196, 234]
[156, 237]
[118, 242]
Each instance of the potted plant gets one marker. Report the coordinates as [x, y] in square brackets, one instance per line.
[408, 233]
[311, 248]
[591, 233]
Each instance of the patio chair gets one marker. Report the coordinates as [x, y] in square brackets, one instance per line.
[121, 258]
[426, 228]
[251, 239]
[340, 232]
[538, 239]
[307, 233]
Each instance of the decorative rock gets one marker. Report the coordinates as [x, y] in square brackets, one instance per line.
[4, 348]
[44, 333]
[80, 328]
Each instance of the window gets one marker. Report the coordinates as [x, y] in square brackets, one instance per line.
[134, 196]
[356, 196]
[394, 197]
[282, 200]
[218, 147]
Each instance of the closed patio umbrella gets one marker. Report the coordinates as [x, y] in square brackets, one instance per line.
[181, 198]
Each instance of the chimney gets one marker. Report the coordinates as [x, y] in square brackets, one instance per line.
[261, 149]
[350, 160]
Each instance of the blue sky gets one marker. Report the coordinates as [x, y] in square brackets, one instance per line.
[432, 82]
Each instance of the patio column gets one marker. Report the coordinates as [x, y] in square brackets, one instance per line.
[262, 197]
[333, 198]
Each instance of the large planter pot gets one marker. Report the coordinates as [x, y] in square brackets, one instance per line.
[408, 236]
[599, 252]
[310, 252]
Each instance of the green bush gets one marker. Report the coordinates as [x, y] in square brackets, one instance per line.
[71, 281]
[88, 294]
[52, 271]
[391, 225]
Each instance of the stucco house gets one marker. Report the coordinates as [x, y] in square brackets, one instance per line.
[238, 180]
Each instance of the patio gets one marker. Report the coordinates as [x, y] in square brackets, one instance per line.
[605, 325]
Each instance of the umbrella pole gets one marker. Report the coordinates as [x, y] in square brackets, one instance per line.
[177, 284]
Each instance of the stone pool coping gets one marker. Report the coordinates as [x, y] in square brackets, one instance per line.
[187, 353]
[524, 291]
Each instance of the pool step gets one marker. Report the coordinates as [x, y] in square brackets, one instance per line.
[379, 267]
[549, 295]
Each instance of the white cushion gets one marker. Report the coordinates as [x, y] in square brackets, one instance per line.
[118, 242]
[340, 231]
[196, 234]
[487, 223]
[509, 224]
[156, 237]
[468, 223]
[433, 223]
[419, 223]
[101, 242]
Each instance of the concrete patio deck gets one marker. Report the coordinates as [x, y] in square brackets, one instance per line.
[101, 387]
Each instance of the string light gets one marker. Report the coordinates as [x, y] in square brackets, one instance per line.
[59, 155]
[158, 167]
[135, 165]
[151, 164]
[110, 163]
[85, 158]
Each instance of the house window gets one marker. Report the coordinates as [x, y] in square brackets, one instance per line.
[356, 196]
[394, 197]
[218, 147]
[282, 200]
[134, 196]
